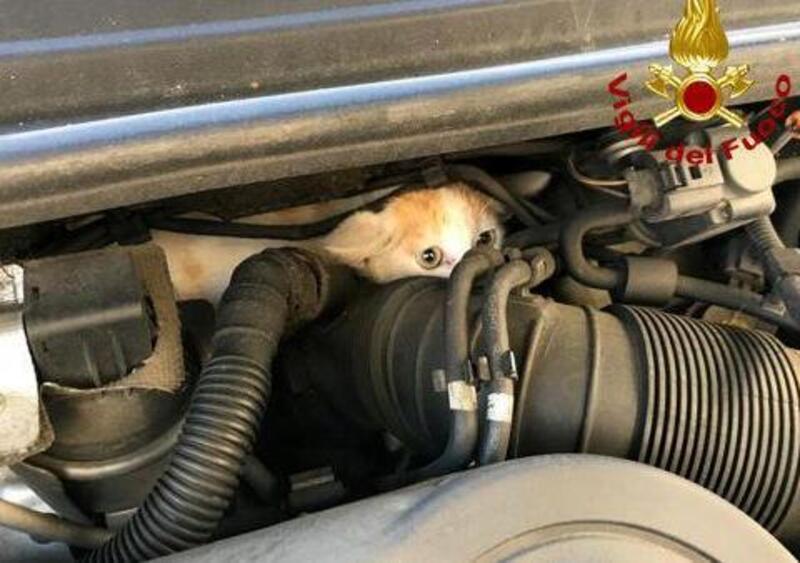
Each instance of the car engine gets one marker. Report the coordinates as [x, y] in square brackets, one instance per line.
[642, 308]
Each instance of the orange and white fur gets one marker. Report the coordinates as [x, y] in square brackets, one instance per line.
[417, 233]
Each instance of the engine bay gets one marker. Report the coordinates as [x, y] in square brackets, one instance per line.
[641, 307]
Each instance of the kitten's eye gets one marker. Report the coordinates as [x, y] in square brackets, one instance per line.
[430, 258]
[487, 238]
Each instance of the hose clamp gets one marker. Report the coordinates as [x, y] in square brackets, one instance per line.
[462, 396]
[468, 373]
[484, 371]
[508, 365]
[500, 407]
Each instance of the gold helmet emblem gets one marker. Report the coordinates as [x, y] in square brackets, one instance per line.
[698, 44]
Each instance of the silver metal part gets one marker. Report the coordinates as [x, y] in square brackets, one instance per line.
[712, 185]
[500, 407]
[19, 392]
[12, 292]
[750, 172]
[462, 396]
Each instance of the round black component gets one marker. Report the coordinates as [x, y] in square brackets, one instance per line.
[551, 508]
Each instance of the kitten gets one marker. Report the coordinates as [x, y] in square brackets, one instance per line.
[416, 233]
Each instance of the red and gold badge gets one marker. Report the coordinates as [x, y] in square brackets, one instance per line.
[698, 44]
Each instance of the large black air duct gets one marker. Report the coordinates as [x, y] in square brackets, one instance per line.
[716, 404]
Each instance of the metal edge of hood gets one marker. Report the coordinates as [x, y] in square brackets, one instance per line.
[85, 167]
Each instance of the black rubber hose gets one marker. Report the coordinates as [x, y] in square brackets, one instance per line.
[211, 227]
[766, 240]
[51, 527]
[500, 398]
[787, 214]
[463, 436]
[731, 298]
[531, 215]
[773, 254]
[545, 235]
[87, 238]
[527, 212]
[572, 235]
[233, 229]
[267, 292]
[690, 288]
[263, 482]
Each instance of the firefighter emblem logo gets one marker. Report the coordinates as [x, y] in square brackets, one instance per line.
[699, 44]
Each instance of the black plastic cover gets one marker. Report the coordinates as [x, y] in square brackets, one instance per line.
[87, 317]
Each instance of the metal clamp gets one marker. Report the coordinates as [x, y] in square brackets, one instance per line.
[462, 396]
[508, 365]
[500, 407]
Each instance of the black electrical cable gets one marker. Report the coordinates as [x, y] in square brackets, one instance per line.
[212, 227]
[51, 527]
[544, 235]
[267, 293]
[714, 293]
[731, 298]
[263, 482]
[90, 237]
[786, 217]
[530, 214]
[777, 260]
[766, 240]
[788, 169]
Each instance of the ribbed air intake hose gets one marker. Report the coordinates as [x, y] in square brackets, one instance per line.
[267, 293]
[781, 264]
[721, 408]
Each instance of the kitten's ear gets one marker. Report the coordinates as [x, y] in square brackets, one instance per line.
[499, 209]
[482, 202]
[494, 207]
[358, 238]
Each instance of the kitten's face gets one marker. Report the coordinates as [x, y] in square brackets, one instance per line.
[421, 233]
